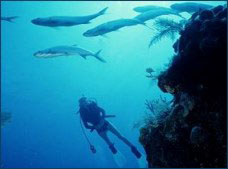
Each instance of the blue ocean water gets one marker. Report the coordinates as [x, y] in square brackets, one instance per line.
[43, 94]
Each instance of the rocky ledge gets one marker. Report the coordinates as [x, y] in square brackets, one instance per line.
[193, 132]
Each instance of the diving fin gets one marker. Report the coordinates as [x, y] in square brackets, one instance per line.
[142, 162]
[119, 159]
[136, 152]
[113, 149]
[141, 158]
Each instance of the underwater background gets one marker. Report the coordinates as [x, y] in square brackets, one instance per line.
[42, 94]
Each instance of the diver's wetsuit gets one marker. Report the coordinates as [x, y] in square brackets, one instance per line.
[91, 114]
[94, 115]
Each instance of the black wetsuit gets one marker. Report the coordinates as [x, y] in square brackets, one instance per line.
[91, 114]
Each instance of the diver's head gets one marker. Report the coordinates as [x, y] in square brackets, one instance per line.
[82, 101]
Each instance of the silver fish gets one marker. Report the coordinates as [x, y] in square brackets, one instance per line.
[111, 26]
[56, 21]
[190, 7]
[142, 9]
[8, 19]
[151, 14]
[66, 51]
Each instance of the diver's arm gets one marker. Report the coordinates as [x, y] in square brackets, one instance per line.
[87, 125]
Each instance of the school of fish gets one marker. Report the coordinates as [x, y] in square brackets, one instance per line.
[146, 13]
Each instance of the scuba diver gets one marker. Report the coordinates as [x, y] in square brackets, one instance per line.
[93, 118]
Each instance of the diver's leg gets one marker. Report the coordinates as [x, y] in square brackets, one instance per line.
[104, 136]
[117, 133]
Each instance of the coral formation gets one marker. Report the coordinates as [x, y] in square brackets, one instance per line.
[166, 28]
[156, 111]
[193, 133]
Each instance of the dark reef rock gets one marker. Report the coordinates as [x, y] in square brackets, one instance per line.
[198, 136]
[206, 14]
[217, 9]
[193, 133]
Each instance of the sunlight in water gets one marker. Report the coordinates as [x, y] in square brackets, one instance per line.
[43, 93]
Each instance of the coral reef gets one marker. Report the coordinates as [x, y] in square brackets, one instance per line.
[156, 111]
[166, 28]
[193, 133]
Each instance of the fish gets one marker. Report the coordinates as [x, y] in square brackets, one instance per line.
[67, 51]
[142, 9]
[111, 26]
[57, 21]
[151, 14]
[8, 19]
[149, 70]
[190, 7]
